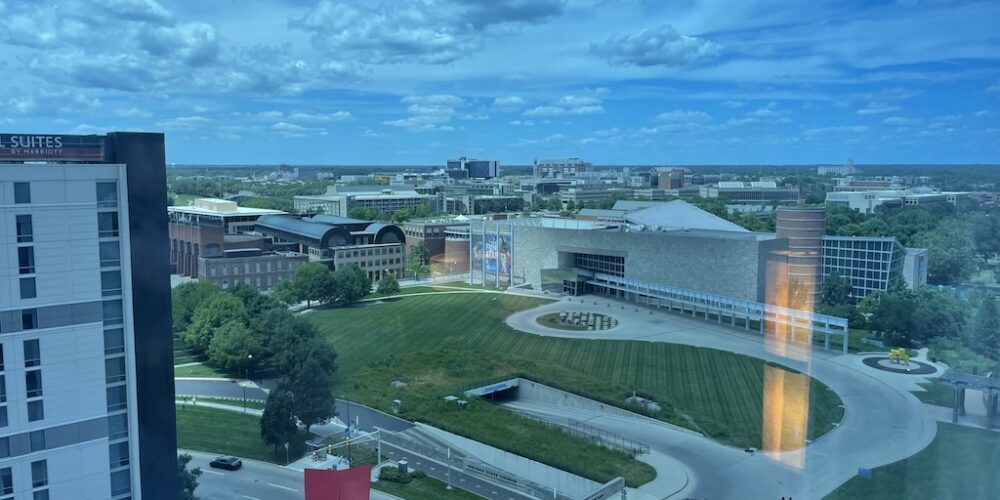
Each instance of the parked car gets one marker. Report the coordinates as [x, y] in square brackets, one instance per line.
[227, 462]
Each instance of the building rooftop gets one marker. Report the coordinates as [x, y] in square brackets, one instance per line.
[630, 205]
[222, 208]
[679, 214]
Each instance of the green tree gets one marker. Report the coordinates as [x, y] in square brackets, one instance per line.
[892, 316]
[836, 290]
[401, 215]
[311, 282]
[187, 297]
[984, 332]
[951, 254]
[310, 378]
[423, 210]
[554, 204]
[234, 347]
[210, 316]
[278, 424]
[937, 314]
[363, 213]
[388, 285]
[417, 259]
[187, 479]
[352, 283]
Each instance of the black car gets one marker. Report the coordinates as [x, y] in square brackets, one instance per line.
[228, 463]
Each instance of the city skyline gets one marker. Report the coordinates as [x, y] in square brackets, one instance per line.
[614, 82]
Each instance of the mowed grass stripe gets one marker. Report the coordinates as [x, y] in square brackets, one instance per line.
[715, 387]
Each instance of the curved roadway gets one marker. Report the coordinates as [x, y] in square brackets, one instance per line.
[883, 422]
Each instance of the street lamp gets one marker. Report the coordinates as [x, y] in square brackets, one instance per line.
[244, 384]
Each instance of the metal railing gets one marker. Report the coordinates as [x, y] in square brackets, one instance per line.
[590, 433]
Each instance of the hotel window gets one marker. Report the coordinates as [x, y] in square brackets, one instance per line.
[26, 260]
[39, 474]
[111, 283]
[22, 192]
[3, 388]
[32, 353]
[114, 341]
[113, 312]
[29, 319]
[4, 447]
[118, 426]
[114, 370]
[28, 288]
[116, 398]
[107, 194]
[25, 232]
[120, 482]
[110, 254]
[6, 482]
[118, 454]
[36, 440]
[33, 383]
[107, 224]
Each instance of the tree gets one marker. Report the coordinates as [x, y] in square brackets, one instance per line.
[892, 316]
[310, 377]
[233, 347]
[388, 285]
[984, 332]
[401, 215]
[187, 479]
[950, 252]
[186, 298]
[836, 290]
[423, 210]
[417, 259]
[278, 424]
[937, 314]
[312, 281]
[351, 283]
[210, 316]
[363, 213]
[554, 204]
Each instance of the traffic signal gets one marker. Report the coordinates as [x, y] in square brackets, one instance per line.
[329, 449]
[315, 456]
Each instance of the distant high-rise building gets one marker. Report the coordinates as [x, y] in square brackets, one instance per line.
[570, 167]
[471, 168]
[86, 353]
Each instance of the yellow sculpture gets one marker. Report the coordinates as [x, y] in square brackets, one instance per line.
[900, 356]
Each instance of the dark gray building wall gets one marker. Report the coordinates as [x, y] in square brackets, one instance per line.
[145, 160]
[733, 267]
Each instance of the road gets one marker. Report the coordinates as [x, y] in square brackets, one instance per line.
[255, 481]
[261, 481]
[883, 422]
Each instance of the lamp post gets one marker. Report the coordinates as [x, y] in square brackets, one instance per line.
[245, 382]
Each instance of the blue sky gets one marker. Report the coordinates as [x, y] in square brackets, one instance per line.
[418, 82]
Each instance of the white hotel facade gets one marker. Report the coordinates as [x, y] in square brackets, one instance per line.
[86, 387]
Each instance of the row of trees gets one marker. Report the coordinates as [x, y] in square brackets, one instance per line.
[923, 317]
[316, 282]
[396, 216]
[242, 331]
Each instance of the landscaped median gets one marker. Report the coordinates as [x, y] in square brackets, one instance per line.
[440, 345]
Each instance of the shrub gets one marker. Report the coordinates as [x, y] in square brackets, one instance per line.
[418, 474]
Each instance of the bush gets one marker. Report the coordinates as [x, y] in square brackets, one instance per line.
[418, 474]
[393, 475]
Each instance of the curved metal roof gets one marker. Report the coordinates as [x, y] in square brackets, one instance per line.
[336, 219]
[382, 231]
[313, 231]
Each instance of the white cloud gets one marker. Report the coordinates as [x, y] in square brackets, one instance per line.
[568, 105]
[660, 46]
[509, 102]
[133, 112]
[983, 113]
[732, 104]
[428, 113]
[475, 117]
[522, 123]
[185, 123]
[771, 110]
[995, 88]
[897, 120]
[300, 116]
[292, 130]
[837, 130]
[683, 116]
[878, 108]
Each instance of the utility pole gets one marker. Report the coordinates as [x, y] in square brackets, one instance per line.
[449, 470]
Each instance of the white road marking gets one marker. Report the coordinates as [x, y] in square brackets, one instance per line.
[250, 497]
[212, 472]
[283, 487]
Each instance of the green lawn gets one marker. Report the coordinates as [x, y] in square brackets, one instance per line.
[229, 433]
[936, 394]
[427, 488]
[199, 370]
[181, 200]
[960, 463]
[441, 344]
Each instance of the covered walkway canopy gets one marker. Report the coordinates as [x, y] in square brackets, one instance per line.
[990, 387]
[658, 295]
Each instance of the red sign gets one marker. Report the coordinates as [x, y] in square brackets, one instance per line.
[348, 484]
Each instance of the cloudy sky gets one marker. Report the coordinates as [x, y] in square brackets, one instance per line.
[421, 81]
